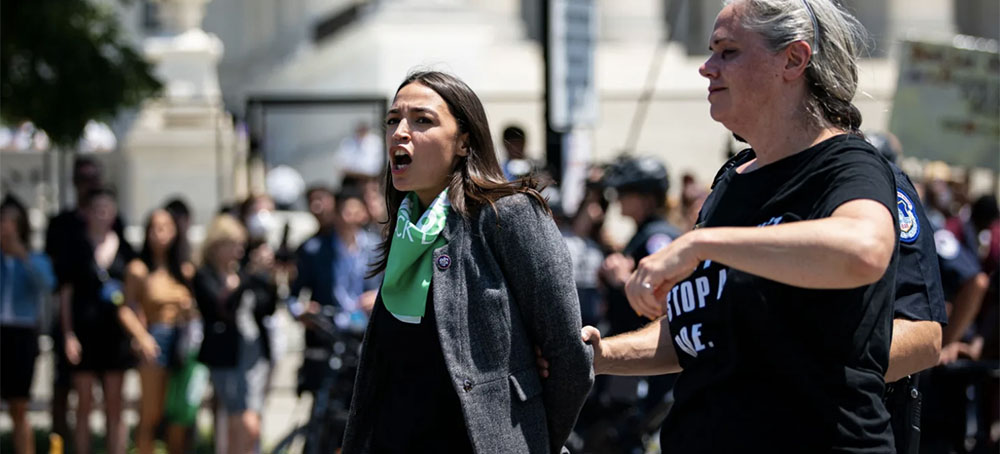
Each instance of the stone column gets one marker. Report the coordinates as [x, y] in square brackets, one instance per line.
[182, 143]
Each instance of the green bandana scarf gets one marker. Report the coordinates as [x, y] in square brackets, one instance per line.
[410, 265]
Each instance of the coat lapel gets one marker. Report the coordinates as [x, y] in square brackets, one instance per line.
[448, 284]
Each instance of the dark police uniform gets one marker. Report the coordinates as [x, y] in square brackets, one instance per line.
[652, 235]
[919, 297]
[642, 397]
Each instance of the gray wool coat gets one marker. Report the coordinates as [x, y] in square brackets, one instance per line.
[509, 287]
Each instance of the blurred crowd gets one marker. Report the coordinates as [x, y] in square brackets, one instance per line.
[183, 317]
[189, 317]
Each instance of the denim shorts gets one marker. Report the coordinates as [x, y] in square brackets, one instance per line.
[166, 338]
[243, 387]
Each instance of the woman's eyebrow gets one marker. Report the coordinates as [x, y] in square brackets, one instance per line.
[398, 111]
[718, 41]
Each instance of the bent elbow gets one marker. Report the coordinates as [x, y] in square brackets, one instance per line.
[930, 345]
[871, 260]
[936, 336]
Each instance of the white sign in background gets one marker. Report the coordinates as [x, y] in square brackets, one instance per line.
[947, 104]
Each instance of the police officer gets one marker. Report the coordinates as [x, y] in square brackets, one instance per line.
[641, 184]
[919, 308]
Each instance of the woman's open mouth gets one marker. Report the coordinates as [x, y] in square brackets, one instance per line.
[400, 161]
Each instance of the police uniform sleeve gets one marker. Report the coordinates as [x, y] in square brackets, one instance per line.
[958, 263]
[918, 278]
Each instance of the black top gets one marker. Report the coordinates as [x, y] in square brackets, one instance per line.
[65, 230]
[97, 294]
[222, 337]
[416, 406]
[770, 367]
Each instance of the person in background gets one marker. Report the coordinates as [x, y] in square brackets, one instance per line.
[332, 265]
[517, 165]
[356, 253]
[256, 214]
[158, 302]
[983, 232]
[314, 277]
[97, 346]
[360, 154]
[233, 302]
[919, 307]
[179, 209]
[64, 230]
[946, 389]
[586, 254]
[693, 195]
[641, 185]
[984, 219]
[962, 278]
[26, 280]
[375, 201]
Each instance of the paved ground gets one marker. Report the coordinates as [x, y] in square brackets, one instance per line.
[282, 410]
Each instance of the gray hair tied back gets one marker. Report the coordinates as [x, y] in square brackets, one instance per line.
[837, 40]
[816, 31]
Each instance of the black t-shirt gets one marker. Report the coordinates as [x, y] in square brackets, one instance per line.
[770, 367]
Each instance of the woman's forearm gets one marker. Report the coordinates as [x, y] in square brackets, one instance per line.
[845, 251]
[647, 351]
[131, 322]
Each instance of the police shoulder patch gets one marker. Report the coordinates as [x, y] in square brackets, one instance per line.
[909, 225]
[312, 246]
[946, 244]
[657, 241]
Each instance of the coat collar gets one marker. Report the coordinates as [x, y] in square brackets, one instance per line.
[454, 226]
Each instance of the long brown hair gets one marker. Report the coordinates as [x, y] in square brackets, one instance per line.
[476, 179]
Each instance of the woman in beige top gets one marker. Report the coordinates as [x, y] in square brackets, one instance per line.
[158, 302]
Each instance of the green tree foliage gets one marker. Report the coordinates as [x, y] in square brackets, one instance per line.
[65, 62]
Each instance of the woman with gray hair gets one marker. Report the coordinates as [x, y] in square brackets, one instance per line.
[777, 310]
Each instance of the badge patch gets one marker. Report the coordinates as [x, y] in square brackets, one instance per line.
[657, 242]
[947, 245]
[909, 226]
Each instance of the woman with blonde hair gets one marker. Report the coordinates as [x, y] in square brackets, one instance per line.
[233, 302]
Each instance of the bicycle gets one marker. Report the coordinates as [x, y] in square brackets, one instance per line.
[323, 432]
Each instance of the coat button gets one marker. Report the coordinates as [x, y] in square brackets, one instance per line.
[467, 385]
